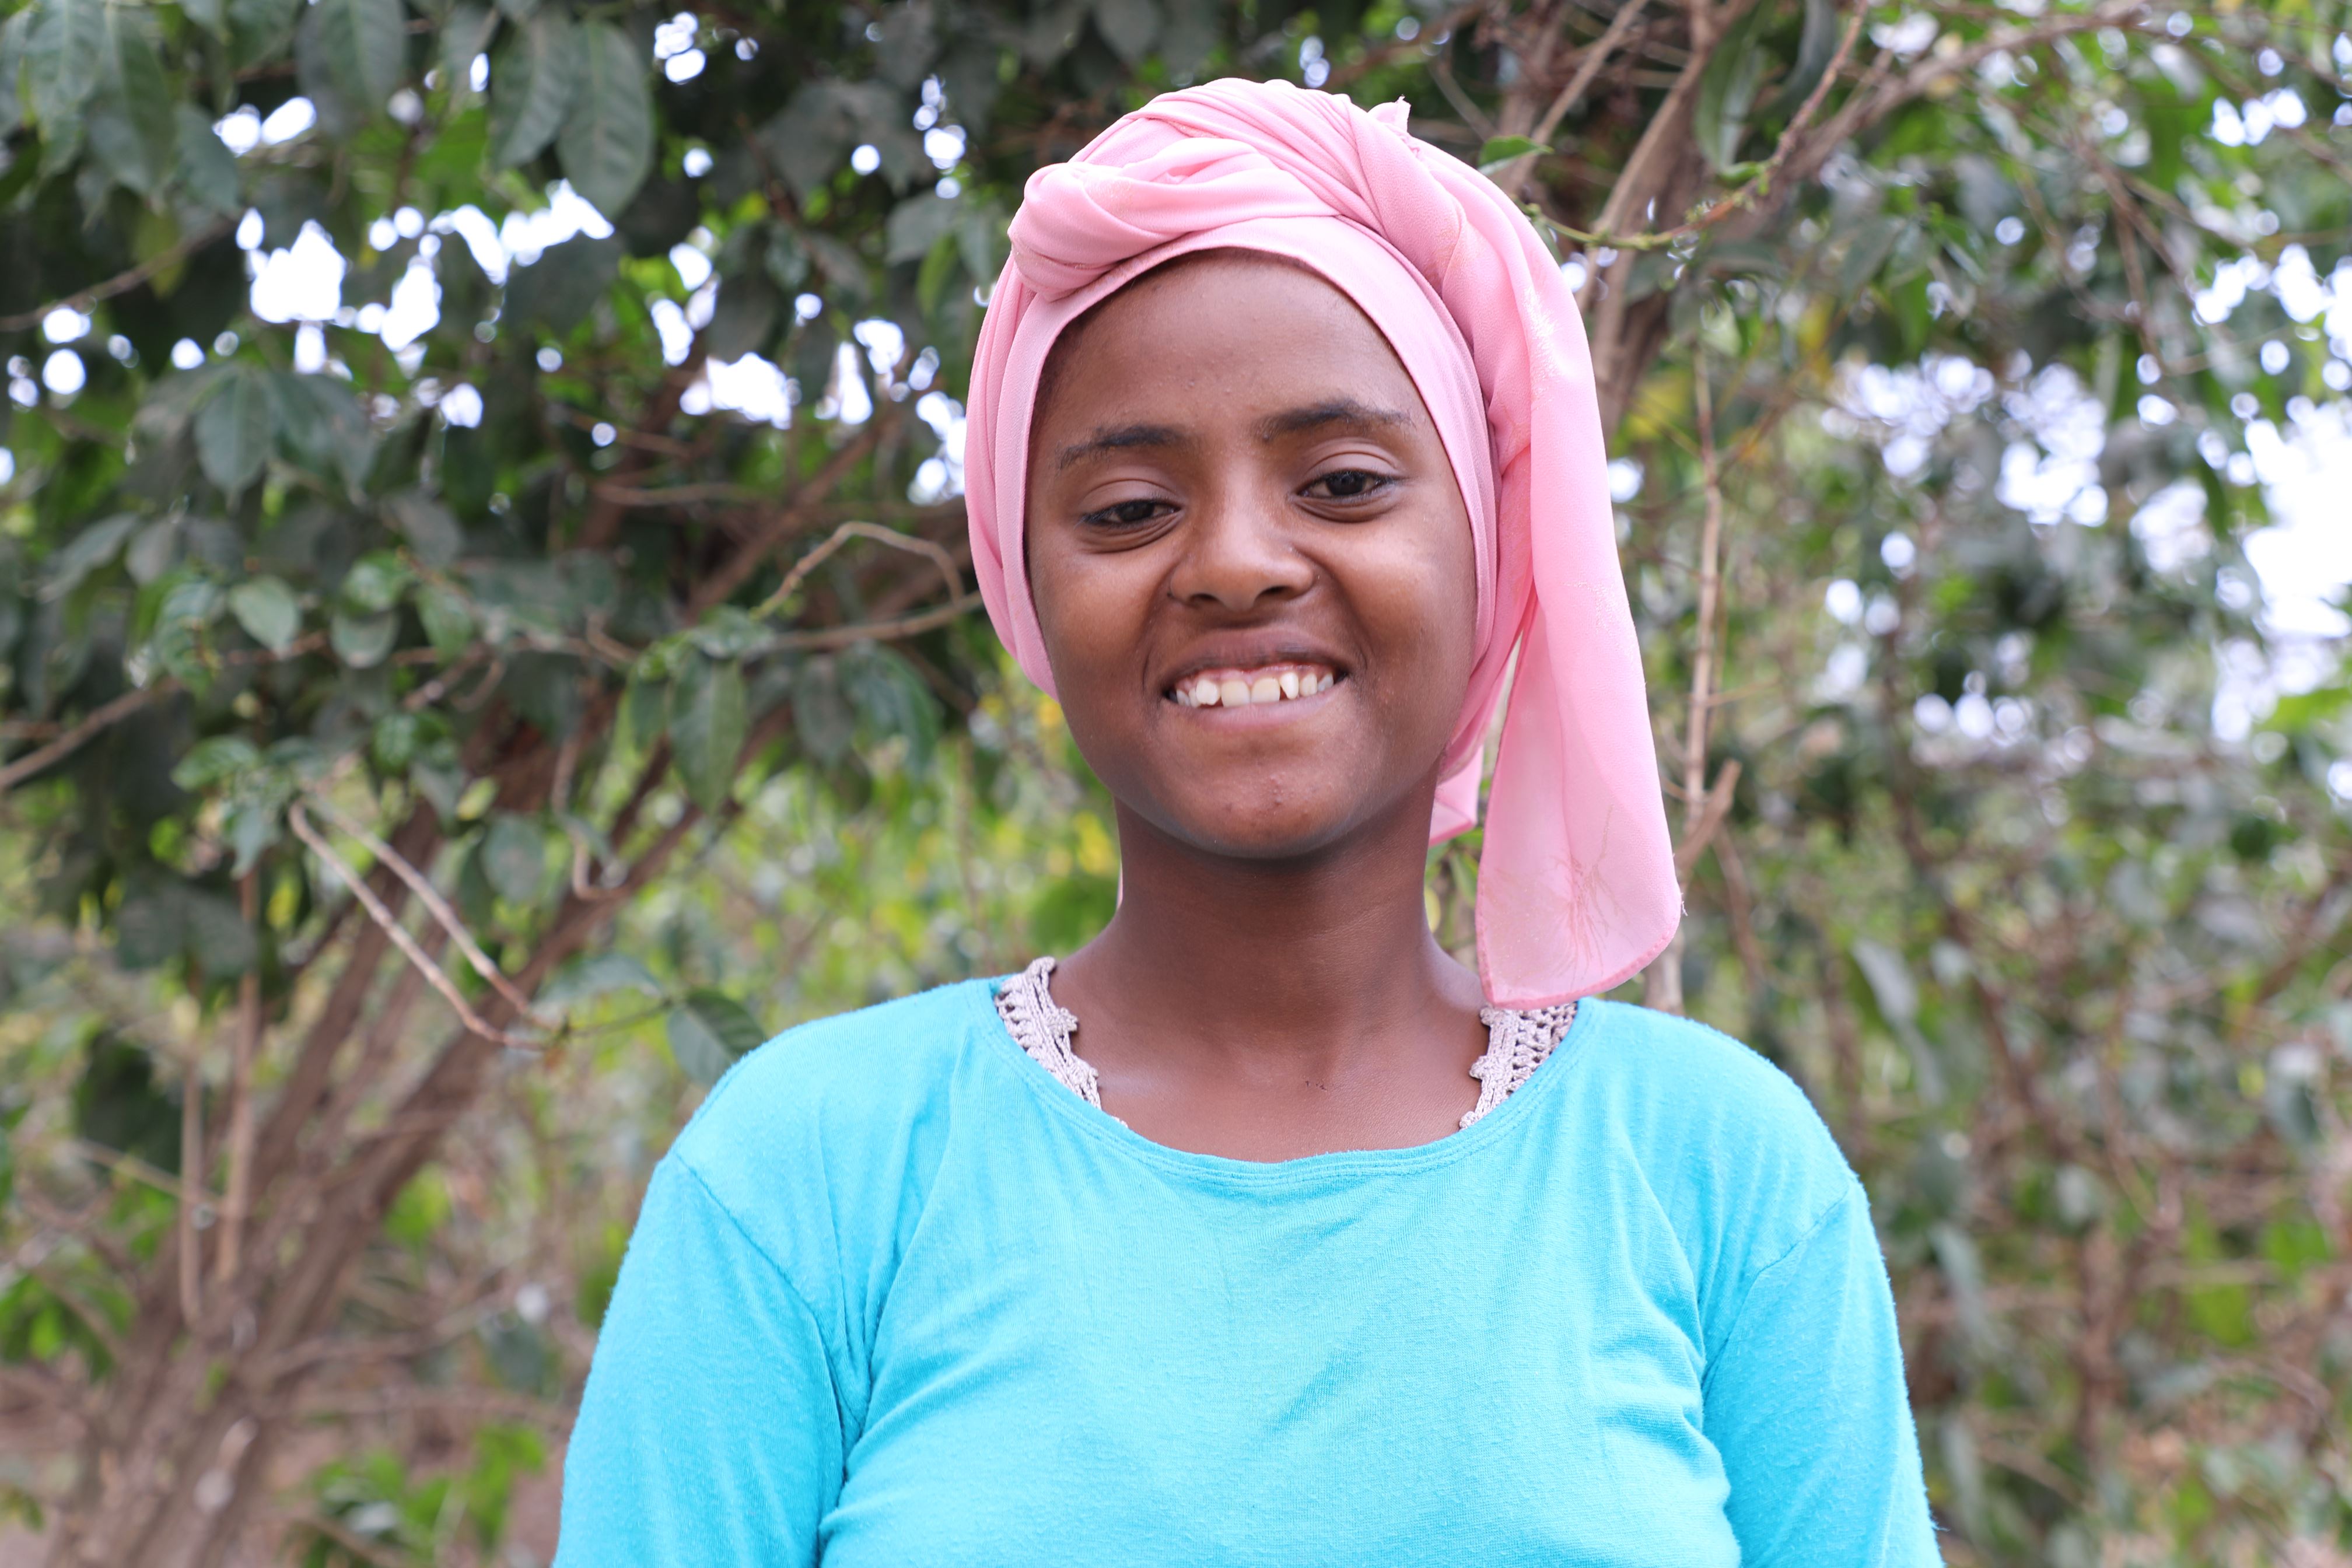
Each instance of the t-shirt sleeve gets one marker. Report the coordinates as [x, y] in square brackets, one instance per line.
[1806, 1402]
[709, 1432]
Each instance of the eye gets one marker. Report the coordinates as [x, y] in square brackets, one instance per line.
[1348, 484]
[1127, 513]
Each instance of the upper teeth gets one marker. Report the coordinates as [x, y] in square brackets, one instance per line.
[1241, 687]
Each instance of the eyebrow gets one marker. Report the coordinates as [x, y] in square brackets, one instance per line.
[1290, 421]
[1338, 411]
[1117, 438]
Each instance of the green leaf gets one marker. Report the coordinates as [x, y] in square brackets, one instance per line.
[365, 46]
[709, 1033]
[707, 720]
[209, 762]
[430, 528]
[394, 743]
[918, 223]
[744, 317]
[787, 259]
[728, 632]
[232, 430]
[1728, 92]
[363, 642]
[534, 83]
[607, 141]
[448, 619]
[1128, 26]
[1814, 49]
[133, 127]
[557, 291]
[1874, 240]
[65, 58]
[258, 28]
[376, 582]
[644, 710]
[13, 34]
[324, 430]
[267, 610]
[465, 35]
[931, 280]
[93, 548]
[981, 237]
[599, 975]
[821, 711]
[891, 699]
[206, 173]
[1501, 150]
[514, 858]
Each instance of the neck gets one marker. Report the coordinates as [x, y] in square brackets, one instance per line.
[1323, 962]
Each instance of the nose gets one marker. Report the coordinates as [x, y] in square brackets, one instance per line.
[1239, 555]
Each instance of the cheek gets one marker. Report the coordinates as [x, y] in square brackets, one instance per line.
[1091, 610]
[1429, 596]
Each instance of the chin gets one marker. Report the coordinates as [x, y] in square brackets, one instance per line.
[1250, 830]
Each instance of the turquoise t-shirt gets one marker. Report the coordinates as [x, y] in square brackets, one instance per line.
[897, 1296]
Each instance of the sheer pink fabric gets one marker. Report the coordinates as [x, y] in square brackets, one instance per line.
[1576, 885]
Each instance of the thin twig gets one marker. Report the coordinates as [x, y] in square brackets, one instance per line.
[911, 543]
[73, 739]
[300, 821]
[722, 583]
[875, 631]
[130, 1165]
[121, 282]
[1701, 825]
[1756, 187]
[1512, 177]
[434, 905]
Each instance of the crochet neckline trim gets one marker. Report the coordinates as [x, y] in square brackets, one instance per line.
[1518, 1040]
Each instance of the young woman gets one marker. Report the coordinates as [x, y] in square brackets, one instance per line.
[1259, 1231]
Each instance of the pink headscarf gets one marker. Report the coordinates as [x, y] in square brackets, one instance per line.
[1577, 889]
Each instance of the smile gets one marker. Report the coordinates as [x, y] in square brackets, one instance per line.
[1232, 688]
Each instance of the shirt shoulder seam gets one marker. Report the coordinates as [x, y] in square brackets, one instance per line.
[1820, 1222]
[735, 1223]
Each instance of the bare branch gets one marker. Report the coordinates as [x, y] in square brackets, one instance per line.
[121, 282]
[788, 519]
[434, 905]
[73, 739]
[300, 821]
[1514, 175]
[878, 631]
[913, 545]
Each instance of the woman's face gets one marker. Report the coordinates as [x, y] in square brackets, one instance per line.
[1250, 559]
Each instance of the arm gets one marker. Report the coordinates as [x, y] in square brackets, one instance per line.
[1805, 1401]
[709, 1432]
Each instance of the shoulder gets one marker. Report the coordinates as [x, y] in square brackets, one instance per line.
[1680, 1078]
[839, 1114]
[1728, 1142]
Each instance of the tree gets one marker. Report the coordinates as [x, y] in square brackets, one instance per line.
[462, 455]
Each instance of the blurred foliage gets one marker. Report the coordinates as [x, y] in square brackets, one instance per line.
[507, 457]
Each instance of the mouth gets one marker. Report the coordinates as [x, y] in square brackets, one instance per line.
[1230, 685]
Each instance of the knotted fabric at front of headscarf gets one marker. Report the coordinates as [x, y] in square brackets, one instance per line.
[1577, 889]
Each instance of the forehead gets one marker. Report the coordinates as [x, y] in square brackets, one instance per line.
[1219, 333]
